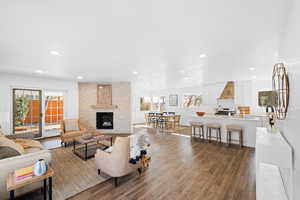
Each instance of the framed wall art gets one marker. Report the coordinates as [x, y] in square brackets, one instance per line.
[192, 101]
[145, 103]
[173, 100]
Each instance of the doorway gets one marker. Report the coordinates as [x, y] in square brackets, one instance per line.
[27, 112]
[54, 113]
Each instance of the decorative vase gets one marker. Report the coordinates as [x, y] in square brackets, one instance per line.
[40, 167]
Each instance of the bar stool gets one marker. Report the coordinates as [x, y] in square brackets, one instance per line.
[217, 128]
[234, 128]
[200, 126]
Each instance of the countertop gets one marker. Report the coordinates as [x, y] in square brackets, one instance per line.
[233, 117]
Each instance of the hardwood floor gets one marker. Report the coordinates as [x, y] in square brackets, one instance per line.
[185, 168]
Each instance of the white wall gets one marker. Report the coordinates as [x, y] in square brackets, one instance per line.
[9, 81]
[136, 93]
[290, 54]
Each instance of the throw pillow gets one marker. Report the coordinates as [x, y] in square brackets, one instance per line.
[28, 143]
[7, 152]
[71, 125]
[5, 142]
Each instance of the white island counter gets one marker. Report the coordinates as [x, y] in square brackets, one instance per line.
[248, 122]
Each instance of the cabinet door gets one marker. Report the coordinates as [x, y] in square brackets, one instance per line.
[243, 93]
[212, 92]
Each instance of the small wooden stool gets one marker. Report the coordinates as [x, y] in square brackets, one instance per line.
[200, 126]
[234, 128]
[217, 128]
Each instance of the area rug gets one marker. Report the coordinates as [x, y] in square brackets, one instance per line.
[72, 175]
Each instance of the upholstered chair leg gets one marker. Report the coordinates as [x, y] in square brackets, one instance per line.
[116, 181]
[99, 171]
[207, 134]
[241, 139]
[140, 170]
[193, 130]
[202, 132]
[227, 138]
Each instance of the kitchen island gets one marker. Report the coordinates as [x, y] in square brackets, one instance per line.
[248, 122]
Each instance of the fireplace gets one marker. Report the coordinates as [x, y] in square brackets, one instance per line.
[105, 120]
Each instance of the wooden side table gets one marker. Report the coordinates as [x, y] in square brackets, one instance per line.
[12, 184]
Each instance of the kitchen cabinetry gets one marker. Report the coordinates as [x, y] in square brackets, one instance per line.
[243, 93]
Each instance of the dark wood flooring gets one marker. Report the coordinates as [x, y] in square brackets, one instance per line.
[185, 168]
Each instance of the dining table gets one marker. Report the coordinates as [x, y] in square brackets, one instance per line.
[161, 120]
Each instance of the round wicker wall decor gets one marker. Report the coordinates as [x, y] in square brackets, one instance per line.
[281, 86]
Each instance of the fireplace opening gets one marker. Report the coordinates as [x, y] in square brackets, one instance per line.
[105, 120]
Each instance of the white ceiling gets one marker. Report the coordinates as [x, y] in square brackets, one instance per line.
[160, 39]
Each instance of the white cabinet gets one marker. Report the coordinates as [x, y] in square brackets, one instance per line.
[212, 92]
[274, 166]
[243, 93]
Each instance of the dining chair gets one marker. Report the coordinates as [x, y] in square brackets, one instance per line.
[162, 120]
[177, 120]
[151, 118]
[170, 121]
[147, 119]
[158, 119]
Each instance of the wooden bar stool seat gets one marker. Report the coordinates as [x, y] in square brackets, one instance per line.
[196, 124]
[217, 128]
[234, 128]
[200, 126]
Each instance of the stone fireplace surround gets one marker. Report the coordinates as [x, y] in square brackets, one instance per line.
[121, 96]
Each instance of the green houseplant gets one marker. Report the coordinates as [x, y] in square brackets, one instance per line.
[22, 109]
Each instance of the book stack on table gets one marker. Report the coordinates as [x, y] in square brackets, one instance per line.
[24, 173]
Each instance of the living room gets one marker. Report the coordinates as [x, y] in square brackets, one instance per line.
[149, 100]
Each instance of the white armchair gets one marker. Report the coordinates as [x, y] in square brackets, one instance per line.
[115, 163]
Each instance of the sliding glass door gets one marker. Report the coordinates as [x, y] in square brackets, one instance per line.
[54, 112]
[27, 112]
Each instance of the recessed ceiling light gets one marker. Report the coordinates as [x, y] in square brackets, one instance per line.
[135, 73]
[79, 77]
[39, 71]
[55, 53]
[251, 68]
[203, 55]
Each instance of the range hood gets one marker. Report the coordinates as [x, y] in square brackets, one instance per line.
[228, 91]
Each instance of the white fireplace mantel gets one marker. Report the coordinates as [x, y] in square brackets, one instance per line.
[108, 107]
